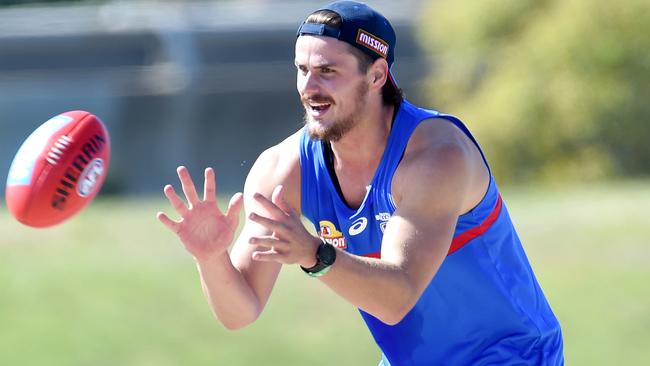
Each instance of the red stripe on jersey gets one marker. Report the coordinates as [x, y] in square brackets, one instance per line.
[467, 236]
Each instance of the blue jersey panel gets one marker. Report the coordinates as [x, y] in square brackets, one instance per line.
[484, 305]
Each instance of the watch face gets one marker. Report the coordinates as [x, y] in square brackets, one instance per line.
[326, 254]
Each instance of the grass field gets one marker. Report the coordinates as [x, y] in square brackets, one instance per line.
[114, 287]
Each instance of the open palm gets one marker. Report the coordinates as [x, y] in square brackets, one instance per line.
[203, 228]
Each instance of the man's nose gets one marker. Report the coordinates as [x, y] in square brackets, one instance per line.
[308, 84]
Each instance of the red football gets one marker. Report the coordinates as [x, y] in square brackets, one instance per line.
[59, 169]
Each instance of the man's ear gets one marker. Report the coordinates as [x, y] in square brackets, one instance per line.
[378, 73]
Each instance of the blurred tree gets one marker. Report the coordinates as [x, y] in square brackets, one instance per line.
[554, 90]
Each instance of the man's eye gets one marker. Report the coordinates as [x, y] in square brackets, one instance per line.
[326, 70]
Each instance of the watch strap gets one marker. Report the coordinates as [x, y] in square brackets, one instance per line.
[320, 268]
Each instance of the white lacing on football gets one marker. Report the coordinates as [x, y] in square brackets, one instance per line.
[58, 149]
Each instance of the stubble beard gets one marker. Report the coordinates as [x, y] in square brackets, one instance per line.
[337, 128]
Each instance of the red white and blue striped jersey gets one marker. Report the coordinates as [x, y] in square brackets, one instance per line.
[484, 305]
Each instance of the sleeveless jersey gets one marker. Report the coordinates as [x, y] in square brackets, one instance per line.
[483, 306]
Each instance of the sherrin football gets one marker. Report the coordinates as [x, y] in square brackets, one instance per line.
[58, 170]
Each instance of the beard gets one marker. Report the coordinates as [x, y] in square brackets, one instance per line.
[339, 127]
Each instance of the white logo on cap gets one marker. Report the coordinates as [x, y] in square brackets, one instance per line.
[372, 42]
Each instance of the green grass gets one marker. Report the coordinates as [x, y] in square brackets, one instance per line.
[114, 287]
[590, 248]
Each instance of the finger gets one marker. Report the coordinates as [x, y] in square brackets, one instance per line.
[270, 224]
[274, 210]
[234, 207]
[171, 224]
[209, 186]
[270, 242]
[188, 185]
[268, 256]
[176, 201]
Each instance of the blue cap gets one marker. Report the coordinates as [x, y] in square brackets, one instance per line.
[362, 27]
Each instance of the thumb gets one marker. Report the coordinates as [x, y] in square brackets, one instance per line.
[234, 207]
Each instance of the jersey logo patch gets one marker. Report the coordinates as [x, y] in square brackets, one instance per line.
[383, 218]
[331, 235]
[358, 226]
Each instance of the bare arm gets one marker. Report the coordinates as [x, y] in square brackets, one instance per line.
[236, 287]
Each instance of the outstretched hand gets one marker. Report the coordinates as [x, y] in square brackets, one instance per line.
[203, 228]
[289, 242]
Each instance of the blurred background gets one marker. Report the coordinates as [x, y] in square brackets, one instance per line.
[555, 91]
[194, 83]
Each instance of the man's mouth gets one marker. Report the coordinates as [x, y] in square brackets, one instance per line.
[319, 106]
[317, 109]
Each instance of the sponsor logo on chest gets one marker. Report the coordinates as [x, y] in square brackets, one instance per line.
[331, 235]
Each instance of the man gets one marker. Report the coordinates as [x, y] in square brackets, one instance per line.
[413, 231]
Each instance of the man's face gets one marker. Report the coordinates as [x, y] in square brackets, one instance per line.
[331, 88]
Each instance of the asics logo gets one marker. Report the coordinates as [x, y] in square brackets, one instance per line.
[358, 226]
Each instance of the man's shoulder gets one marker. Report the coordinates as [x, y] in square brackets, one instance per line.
[439, 154]
[435, 136]
[284, 152]
[277, 165]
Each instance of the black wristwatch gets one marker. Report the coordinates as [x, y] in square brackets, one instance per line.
[325, 257]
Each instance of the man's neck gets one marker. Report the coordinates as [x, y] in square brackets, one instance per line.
[365, 143]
